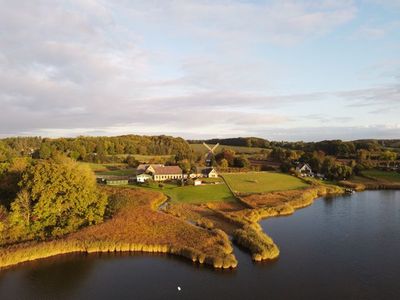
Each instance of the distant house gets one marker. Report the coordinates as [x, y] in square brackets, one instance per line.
[158, 172]
[197, 182]
[147, 168]
[304, 170]
[206, 172]
[143, 177]
[163, 173]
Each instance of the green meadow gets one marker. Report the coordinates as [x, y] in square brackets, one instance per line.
[262, 182]
[382, 175]
[194, 194]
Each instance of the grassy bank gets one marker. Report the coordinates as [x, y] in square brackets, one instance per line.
[373, 180]
[260, 245]
[135, 226]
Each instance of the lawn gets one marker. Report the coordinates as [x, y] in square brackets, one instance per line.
[262, 182]
[195, 194]
[104, 167]
[382, 175]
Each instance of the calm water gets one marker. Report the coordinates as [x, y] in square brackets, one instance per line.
[340, 248]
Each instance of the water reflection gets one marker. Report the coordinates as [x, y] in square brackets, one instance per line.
[338, 248]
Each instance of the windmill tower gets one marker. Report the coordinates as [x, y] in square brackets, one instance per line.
[210, 154]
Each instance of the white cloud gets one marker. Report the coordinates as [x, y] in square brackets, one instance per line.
[85, 67]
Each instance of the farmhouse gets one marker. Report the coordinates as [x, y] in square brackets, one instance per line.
[167, 173]
[207, 172]
[143, 177]
[304, 170]
[147, 168]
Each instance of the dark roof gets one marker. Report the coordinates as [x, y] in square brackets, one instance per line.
[167, 170]
[301, 165]
[204, 170]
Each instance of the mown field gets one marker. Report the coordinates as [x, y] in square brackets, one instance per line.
[262, 182]
[111, 169]
[195, 194]
[199, 148]
[382, 175]
[147, 158]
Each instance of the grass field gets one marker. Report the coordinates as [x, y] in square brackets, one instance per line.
[111, 169]
[147, 158]
[382, 175]
[199, 148]
[262, 182]
[104, 167]
[195, 194]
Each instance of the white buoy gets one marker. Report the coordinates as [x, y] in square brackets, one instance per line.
[179, 288]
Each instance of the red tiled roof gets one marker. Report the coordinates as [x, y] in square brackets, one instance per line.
[167, 170]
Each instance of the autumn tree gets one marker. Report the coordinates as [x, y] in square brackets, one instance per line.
[58, 196]
[224, 163]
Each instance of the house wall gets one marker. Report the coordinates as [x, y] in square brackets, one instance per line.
[164, 177]
[213, 174]
[116, 182]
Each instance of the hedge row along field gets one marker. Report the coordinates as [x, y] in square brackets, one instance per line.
[135, 226]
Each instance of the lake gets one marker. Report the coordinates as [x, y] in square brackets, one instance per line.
[346, 247]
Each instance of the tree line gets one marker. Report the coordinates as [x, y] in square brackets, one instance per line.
[94, 149]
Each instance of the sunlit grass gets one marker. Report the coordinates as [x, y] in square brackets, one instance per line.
[262, 182]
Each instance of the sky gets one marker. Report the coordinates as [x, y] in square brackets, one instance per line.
[280, 70]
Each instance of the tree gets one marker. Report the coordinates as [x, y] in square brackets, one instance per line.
[241, 162]
[45, 151]
[20, 217]
[224, 163]
[3, 223]
[132, 161]
[227, 154]
[184, 165]
[388, 156]
[59, 196]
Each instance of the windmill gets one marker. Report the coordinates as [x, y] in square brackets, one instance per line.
[210, 154]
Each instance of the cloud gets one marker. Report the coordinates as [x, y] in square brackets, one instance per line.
[177, 67]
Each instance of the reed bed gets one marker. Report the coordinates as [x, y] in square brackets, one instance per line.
[135, 226]
[260, 245]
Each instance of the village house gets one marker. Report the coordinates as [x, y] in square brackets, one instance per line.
[158, 172]
[304, 170]
[206, 172]
[167, 173]
[147, 168]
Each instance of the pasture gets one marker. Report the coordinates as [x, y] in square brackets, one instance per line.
[382, 175]
[194, 194]
[111, 169]
[262, 182]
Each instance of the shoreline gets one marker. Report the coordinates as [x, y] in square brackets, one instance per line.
[192, 245]
[249, 234]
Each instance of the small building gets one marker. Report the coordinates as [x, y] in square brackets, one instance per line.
[197, 182]
[113, 180]
[164, 173]
[304, 170]
[143, 177]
